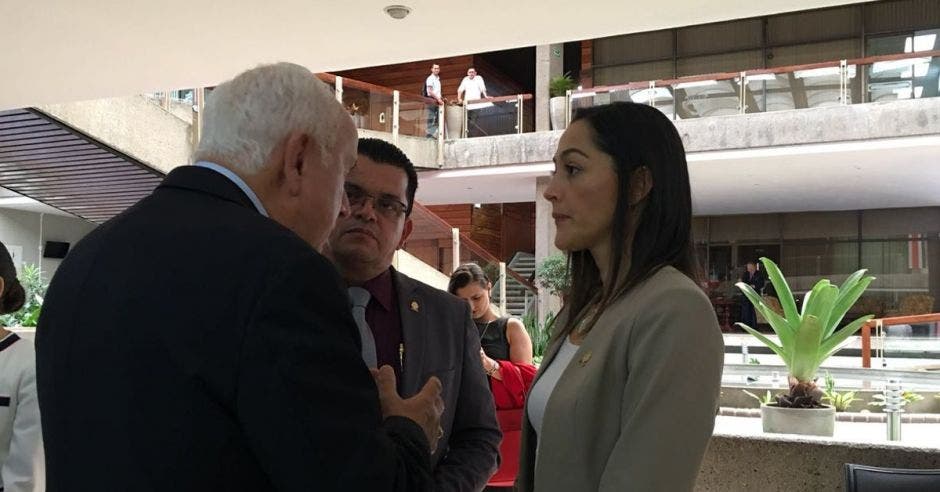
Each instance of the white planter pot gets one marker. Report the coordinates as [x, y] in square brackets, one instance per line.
[806, 421]
[558, 116]
[453, 121]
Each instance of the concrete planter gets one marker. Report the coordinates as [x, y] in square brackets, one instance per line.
[453, 121]
[806, 421]
[558, 117]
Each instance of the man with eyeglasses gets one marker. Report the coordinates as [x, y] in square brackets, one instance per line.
[416, 329]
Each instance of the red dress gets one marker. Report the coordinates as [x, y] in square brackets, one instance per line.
[509, 396]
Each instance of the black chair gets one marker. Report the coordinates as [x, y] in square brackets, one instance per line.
[861, 478]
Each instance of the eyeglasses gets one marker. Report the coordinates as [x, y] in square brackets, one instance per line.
[389, 207]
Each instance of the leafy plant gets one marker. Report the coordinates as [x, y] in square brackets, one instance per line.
[28, 315]
[807, 337]
[763, 400]
[840, 401]
[906, 397]
[539, 333]
[552, 273]
[753, 361]
[560, 85]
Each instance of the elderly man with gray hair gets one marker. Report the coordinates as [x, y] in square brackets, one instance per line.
[199, 341]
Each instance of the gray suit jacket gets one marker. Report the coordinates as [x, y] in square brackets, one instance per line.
[635, 408]
[441, 340]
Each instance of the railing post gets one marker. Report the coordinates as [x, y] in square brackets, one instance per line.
[199, 103]
[567, 108]
[502, 288]
[338, 85]
[518, 113]
[843, 82]
[464, 131]
[650, 92]
[866, 345]
[455, 248]
[396, 99]
[165, 101]
[742, 96]
[440, 134]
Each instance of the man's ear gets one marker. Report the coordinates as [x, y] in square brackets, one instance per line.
[405, 232]
[298, 157]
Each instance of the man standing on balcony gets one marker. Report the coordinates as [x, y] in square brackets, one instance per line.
[471, 88]
[413, 327]
[432, 89]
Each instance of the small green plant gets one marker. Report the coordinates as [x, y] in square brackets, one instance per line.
[539, 333]
[28, 315]
[767, 399]
[552, 274]
[753, 361]
[559, 86]
[840, 401]
[808, 336]
[906, 397]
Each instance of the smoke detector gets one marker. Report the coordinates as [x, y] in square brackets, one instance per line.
[397, 11]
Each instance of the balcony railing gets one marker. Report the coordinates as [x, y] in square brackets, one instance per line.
[875, 78]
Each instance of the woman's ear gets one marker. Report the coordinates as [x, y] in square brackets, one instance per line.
[641, 182]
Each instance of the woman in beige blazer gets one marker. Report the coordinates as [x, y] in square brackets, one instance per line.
[627, 394]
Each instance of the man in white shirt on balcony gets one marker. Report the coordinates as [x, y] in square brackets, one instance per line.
[471, 88]
[432, 89]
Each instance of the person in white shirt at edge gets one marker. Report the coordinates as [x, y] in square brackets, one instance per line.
[432, 88]
[21, 452]
[472, 88]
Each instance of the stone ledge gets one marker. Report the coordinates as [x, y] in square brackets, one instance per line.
[907, 418]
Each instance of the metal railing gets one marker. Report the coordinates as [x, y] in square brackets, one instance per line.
[879, 324]
[840, 82]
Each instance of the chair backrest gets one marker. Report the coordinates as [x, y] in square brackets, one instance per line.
[861, 478]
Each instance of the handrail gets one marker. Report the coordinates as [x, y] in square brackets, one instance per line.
[365, 86]
[475, 247]
[525, 97]
[896, 320]
[758, 71]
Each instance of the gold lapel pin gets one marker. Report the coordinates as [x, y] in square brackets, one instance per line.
[415, 306]
[584, 359]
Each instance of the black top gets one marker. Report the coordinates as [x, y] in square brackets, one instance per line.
[191, 343]
[493, 338]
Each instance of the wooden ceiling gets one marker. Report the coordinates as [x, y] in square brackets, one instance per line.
[48, 161]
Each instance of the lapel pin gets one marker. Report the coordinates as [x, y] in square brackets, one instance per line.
[584, 359]
[415, 306]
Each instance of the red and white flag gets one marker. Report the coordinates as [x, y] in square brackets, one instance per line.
[916, 252]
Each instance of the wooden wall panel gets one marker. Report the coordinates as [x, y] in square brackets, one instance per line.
[518, 229]
[587, 63]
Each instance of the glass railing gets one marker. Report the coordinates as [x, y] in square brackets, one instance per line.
[495, 115]
[872, 79]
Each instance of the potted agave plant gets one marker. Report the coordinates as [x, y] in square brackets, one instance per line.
[807, 337]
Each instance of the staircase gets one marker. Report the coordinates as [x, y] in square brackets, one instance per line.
[524, 265]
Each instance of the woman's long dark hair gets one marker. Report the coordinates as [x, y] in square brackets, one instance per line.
[635, 136]
[13, 296]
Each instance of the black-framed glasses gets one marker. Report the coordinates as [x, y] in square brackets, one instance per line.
[388, 206]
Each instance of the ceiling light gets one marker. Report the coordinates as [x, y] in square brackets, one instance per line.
[397, 11]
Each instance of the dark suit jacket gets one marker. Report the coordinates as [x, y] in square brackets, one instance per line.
[441, 340]
[192, 344]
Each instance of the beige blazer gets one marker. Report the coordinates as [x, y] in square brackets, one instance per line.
[635, 408]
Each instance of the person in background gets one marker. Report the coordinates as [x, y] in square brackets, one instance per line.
[753, 277]
[432, 89]
[506, 356]
[472, 88]
[635, 330]
[21, 452]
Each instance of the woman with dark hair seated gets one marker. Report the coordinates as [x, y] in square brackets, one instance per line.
[626, 395]
[506, 355]
[21, 453]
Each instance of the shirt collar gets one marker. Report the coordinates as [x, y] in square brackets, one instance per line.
[381, 288]
[239, 182]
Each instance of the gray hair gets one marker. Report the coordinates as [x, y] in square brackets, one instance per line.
[247, 117]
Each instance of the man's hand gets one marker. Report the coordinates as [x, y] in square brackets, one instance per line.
[425, 408]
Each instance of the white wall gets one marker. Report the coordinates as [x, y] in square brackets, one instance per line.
[20, 228]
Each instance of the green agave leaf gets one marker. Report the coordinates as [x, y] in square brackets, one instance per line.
[845, 301]
[768, 342]
[784, 294]
[780, 326]
[850, 282]
[823, 299]
[808, 298]
[831, 343]
[805, 360]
